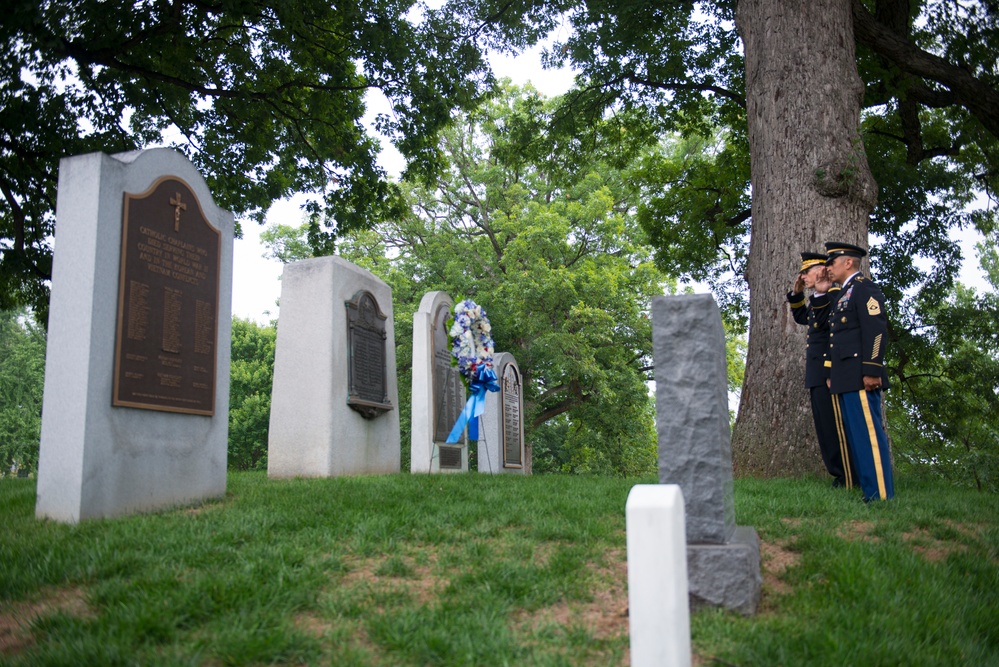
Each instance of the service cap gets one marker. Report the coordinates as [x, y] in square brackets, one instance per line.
[836, 248]
[810, 259]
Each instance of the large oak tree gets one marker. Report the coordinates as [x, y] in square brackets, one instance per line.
[830, 101]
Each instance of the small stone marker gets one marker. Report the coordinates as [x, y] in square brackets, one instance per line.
[135, 413]
[695, 450]
[501, 449]
[658, 607]
[438, 395]
[334, 402]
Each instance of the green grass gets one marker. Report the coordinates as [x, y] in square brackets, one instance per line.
[480, 570]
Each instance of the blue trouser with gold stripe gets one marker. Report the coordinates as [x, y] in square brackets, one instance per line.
[869, 450]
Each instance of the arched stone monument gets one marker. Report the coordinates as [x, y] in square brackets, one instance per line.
[438, 390]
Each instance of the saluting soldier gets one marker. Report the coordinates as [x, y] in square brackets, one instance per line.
[814, 313]
[858, 335]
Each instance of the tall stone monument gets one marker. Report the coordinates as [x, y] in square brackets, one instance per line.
[438, 390]
[501, 446]
[136, 405]
[695, 450]
[335, 401]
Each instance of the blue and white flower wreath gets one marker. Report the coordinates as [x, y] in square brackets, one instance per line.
[472, 346]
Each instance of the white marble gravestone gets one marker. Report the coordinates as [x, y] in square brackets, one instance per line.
[136, 404]
[501, 445]
[335, 401]
[658, 606]
[438, 390]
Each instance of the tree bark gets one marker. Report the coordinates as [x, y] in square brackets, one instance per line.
[811, 184]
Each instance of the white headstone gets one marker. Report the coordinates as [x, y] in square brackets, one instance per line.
[438, 390]
[501, 439]
[658, 611]
[335, 401]
[136, 404]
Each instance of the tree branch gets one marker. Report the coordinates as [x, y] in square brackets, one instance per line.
[976, 96]
[703, 87]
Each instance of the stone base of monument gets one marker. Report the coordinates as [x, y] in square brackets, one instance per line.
[726, 575]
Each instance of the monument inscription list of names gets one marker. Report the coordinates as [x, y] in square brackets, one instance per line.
[449, 392]
[167, 302]
[512, 427]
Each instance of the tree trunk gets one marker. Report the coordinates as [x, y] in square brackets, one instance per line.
[811, 184]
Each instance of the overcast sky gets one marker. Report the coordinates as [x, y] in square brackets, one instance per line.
[255, 283]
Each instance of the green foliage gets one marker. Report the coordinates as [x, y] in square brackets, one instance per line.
[22, 383]
[695, 209]
[558, 261]
[285, 243]
[582, 447]
[942, 412]
[265, 98]
[251, 379]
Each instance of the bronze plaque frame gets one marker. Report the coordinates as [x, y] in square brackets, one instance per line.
[367, 375]
[511, 393]
[450, 457]
[168, 298]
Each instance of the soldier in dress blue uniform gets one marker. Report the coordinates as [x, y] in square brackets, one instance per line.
[858, 335]
[814, 313]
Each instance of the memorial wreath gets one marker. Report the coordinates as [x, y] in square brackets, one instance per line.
[472, 347]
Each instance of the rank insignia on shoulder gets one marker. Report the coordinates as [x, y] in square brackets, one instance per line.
[873, 307]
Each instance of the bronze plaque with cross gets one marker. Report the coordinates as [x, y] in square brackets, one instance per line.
[168, 297]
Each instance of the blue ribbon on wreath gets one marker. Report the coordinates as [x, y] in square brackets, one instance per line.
[485, 380]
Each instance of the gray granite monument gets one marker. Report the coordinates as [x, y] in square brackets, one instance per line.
[334, 403]
[136, 406]
[695, 450]
[501, 446]
[438, 391]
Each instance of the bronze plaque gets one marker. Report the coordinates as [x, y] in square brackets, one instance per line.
[513, 428]
[168, 297]
[366, 375]
[449, 390]
[450, 457]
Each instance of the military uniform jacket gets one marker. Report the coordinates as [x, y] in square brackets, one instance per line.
[858, 335]
[815, 315]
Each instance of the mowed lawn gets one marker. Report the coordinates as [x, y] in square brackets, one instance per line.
[483, 570]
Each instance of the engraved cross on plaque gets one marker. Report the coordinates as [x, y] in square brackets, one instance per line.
[178, 206]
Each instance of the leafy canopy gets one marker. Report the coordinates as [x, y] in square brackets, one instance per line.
[265, 98]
